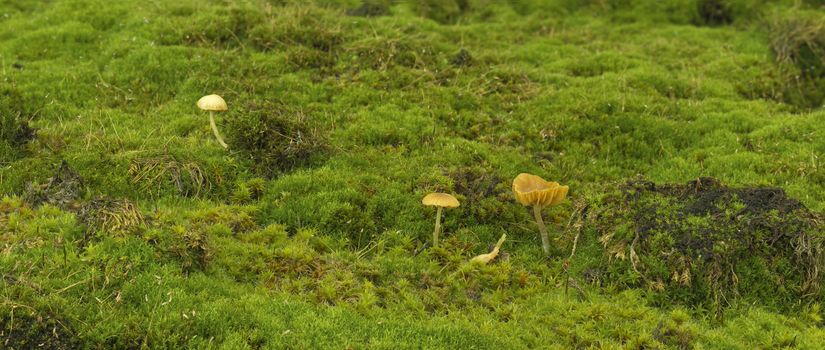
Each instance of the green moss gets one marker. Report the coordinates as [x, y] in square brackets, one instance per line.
[309, 232]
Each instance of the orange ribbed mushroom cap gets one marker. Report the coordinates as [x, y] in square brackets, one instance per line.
[533, 190]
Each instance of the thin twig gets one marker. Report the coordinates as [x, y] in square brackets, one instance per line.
[426, 244]
[71, 286]
[634, 257]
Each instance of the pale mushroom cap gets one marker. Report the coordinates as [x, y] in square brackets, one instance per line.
[533, 190]
[212, 103]
[440, 200]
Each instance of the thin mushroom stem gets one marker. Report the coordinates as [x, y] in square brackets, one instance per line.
[545, 240]
[437, 227]
[215, 129]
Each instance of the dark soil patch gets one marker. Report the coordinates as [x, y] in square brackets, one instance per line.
[65, 190]
[61, 190]
[371, 8]
[277, 138]
[23, 330]
[706, 243]
[475, 183]
[715, 13]
[15, 130]
[462, 58]
[485, 196]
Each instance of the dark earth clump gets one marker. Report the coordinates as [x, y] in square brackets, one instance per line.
[715, 13]
[485, 196]
[22, 330]
[278, 139]
[462, 58]
[475, 183]
[16, 132]
[101, 214]
[61, 190]
[704, 243]
[15, 128]
[371, 8]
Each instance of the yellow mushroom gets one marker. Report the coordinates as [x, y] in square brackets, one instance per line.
[485, 258]
[439, 200]
[533, 190]
[213, 103]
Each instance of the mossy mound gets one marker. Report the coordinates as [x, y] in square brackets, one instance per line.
[707, 244]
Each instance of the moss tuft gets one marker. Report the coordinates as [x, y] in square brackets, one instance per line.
[162, 174]
[798, 42]
[110, 216]
[278, 138]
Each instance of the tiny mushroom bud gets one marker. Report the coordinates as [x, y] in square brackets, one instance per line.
[439, 200]
[213, 103]
[485, 258]
[533, 190]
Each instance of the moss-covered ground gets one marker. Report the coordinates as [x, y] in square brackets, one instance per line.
[124, 224]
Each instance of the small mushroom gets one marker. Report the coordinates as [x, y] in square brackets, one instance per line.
[485, 258]
[213, 103]
[533, 190]
[439, 200]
